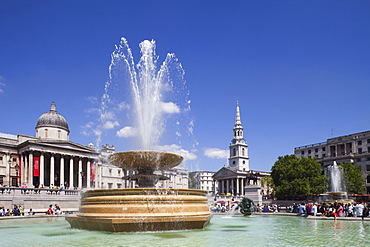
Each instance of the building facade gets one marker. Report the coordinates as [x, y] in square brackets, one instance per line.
[354, 148]
[50, 159]
[204, 181]
[237, 179]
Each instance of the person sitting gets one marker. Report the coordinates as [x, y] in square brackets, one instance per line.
[50, 210]
[31, 212]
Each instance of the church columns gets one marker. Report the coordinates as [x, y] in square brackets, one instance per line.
[227, 186]
[242, 187]
[237, 186]
[232, 191]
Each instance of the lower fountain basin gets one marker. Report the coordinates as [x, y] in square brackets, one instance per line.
[142, 209]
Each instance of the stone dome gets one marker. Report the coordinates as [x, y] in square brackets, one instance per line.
[52, 119]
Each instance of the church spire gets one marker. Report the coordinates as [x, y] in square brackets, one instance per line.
[238, 160]
[238, 128]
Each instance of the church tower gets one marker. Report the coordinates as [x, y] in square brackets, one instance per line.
[238, 160]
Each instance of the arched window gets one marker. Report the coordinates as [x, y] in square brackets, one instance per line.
[46, 133]
[58, 134]
[243, 152]
[234, 152]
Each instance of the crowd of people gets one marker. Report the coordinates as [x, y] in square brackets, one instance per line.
[336, 209]
[18, 210]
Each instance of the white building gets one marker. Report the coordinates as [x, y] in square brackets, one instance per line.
[204, 180]
[50, 159]
[354, 148]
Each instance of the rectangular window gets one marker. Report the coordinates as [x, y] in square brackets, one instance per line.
[309, 151]
[323, 155]
[359, 142]
[368, 168]
[359, 150]
[302, 152]
[323, 149]
[316, 150]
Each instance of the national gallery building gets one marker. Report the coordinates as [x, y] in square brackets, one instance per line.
[47, 160]
[51, 160]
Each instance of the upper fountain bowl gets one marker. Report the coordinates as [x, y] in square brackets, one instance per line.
[145, 160]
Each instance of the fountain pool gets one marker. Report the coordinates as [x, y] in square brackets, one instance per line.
[257, 230]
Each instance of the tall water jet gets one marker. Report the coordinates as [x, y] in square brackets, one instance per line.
[337, 185]
[144, 208]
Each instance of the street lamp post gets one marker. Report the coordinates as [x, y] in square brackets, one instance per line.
[82, 178]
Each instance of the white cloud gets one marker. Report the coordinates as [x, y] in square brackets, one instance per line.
[92, 99]
[110, 124]
[109, 115]
[176, 149]
[216, 153]
[97, 132]
[123, 105]
[126, 131]
[170, 107]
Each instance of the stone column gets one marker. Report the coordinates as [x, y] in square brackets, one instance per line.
[7, 170]
[30, 170]
[237, 186]
[80, 173]
[222, 190]
[62, 170]
[25, 171]
[71, 186]
[52, 171]
[227, 186]
[88, 179]
[242, 187]
[42, 168]
[232, 187]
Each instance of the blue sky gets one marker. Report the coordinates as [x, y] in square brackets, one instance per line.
[299, 69]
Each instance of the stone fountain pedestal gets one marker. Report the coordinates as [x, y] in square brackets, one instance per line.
[142, 209]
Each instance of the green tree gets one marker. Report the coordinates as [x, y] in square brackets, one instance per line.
[297, 177]
[353, 178]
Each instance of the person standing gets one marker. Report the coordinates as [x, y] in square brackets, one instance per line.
[314, 209]
[359, 209]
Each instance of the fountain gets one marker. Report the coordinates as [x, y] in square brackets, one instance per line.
[145, 208]
[337, 187]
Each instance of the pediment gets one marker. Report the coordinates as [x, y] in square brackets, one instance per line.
[224, 172]
[62, 145]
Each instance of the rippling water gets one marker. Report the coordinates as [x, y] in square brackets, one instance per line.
[222, 231]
